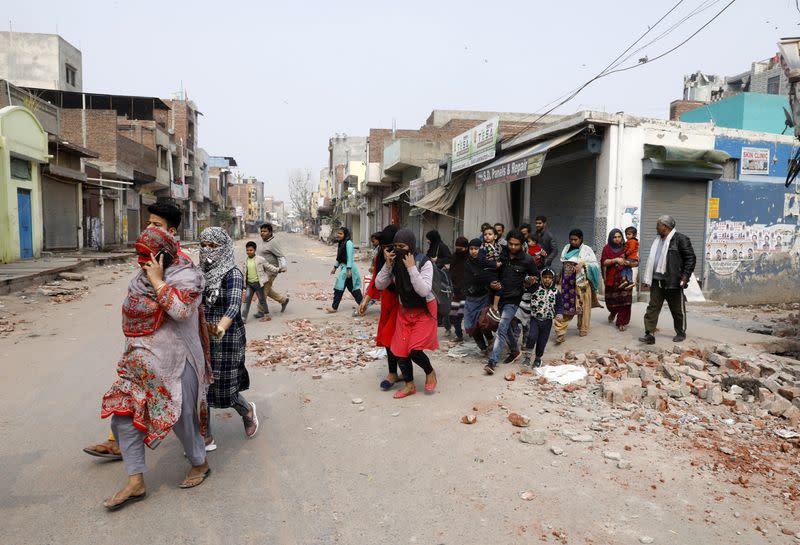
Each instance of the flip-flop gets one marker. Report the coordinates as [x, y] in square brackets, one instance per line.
[202, 478]
[386, 385]
[126, 501]
[106, 455]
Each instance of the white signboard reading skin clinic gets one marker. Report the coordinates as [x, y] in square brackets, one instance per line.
[755, 161]
[475, 145]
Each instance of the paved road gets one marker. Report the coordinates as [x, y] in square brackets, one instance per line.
[320, 471]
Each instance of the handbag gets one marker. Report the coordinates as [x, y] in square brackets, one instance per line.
[488, 321]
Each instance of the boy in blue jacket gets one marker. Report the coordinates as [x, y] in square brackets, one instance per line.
[546, 304]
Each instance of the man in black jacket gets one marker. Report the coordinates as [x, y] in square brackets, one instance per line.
[669, 266]
[545, 240]
[517, 273]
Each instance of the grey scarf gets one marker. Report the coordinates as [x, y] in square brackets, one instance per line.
[215, 262]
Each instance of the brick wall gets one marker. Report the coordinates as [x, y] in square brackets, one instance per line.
[380, 138]
[101, 130]
[679, 107]
[136, 155]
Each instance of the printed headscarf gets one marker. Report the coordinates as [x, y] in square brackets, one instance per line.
[151, 241]
[215, 262]
[141, 312]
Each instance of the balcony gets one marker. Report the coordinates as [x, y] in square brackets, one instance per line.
[411, 153]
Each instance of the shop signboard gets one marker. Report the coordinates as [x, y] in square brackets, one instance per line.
[755, 161]
[476, 145]
[510, 171]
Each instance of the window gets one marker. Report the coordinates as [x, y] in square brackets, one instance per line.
[774, 85]
[71, 74]
[21, 169]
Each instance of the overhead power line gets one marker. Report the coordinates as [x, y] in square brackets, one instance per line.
[610, 69]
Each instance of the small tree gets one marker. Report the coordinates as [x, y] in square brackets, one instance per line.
[300, 192]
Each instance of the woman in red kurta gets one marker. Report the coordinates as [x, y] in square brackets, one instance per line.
[389, 307]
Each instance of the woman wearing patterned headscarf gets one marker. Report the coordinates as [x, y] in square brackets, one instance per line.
[163, 372]
[223, 302]
[347, 275]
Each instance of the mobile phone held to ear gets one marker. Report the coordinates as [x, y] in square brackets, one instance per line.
[166, 257]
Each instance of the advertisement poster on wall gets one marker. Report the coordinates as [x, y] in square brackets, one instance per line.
[755, 161]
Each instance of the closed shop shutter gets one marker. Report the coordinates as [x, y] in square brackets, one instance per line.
[684, 200]
[566, 195]
[109, 222]
[60, 206]
[133, 224]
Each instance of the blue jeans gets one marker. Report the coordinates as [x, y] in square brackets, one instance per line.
[507, 333]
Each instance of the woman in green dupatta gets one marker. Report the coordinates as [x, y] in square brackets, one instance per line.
[580, 278]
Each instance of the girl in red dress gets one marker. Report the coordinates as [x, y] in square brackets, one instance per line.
[416, 327]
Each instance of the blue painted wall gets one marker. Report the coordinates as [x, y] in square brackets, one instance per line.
[753, 247]
[749, 111]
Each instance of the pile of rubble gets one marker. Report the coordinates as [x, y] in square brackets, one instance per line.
[66, 289]
[760, 385]
[310, 346]
[312, 291]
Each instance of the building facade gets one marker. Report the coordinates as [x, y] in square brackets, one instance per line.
[44, 61]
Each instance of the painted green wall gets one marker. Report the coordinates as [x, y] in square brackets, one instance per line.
[748, 111]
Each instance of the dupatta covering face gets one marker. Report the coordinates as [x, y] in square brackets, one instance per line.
[141, 313]
[215, 262]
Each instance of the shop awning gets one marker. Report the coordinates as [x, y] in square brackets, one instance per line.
[394, 197]
[520, 164]
[675, 162]
[441, 199]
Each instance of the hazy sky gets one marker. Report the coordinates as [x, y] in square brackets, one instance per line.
[275, 80]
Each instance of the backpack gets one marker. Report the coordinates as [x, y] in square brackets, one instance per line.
[442, 288]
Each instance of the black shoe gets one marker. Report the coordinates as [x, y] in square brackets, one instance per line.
[512, 357]
[283, 305]
[258, 315]
[489, 368]
[679, 338]
[537, 362]
[647, 339]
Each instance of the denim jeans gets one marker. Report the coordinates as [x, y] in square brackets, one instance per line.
[254, 288]
[507, 333]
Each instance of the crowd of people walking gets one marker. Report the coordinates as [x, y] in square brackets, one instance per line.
[184, 324]
[501, 288]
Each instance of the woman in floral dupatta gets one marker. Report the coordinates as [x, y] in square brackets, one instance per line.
[164, 372]
[618, 300]
[580, 277]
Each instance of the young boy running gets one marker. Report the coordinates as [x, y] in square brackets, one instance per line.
[256, 273]
[546, 304]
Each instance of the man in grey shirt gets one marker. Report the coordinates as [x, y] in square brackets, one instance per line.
[271, 251]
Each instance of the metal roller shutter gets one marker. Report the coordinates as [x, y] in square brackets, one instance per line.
[684, 200]
[60, 205]
[109, 222]
[566, 195]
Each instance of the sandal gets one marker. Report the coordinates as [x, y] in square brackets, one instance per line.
[387, 384]
[123, 503]
[108, 450]
[202, 477]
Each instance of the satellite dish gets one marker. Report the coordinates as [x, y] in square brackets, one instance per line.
[789, 119]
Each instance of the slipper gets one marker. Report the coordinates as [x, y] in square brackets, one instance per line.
[386, 385]
[108, 455]
[202, 478]
[126, 501]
